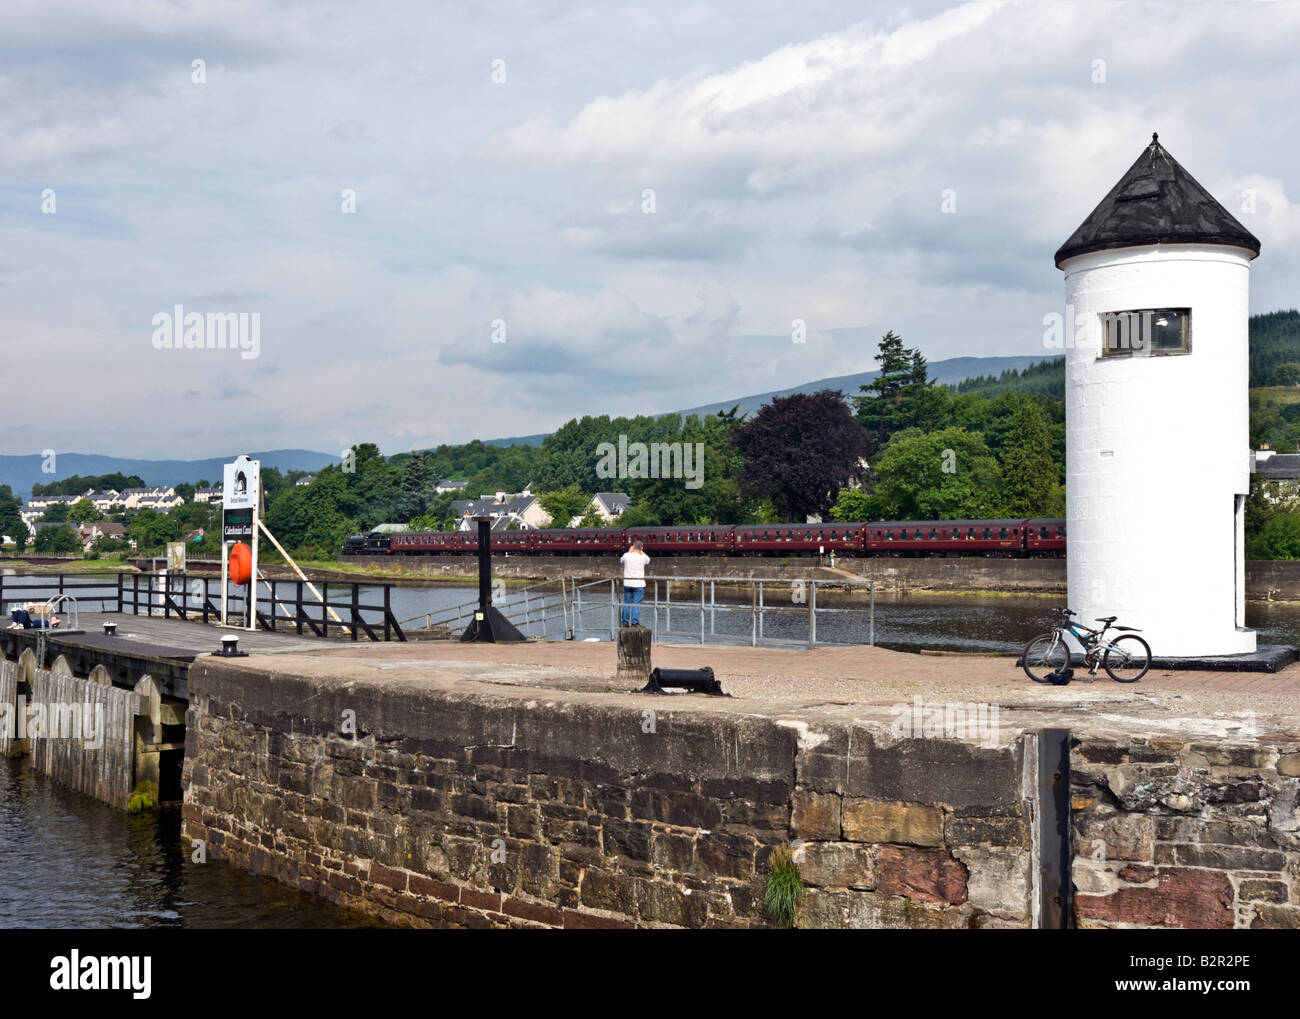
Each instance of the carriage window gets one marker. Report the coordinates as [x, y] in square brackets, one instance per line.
[1153, 331]
[988, 533]
[1002, 533]
[1060, 532]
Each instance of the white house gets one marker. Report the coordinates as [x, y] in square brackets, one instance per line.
[522, 509]
[157, 497]
[1157, 282]
[609, 506]
[207, 495]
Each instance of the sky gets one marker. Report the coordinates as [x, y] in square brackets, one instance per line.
[454, 222]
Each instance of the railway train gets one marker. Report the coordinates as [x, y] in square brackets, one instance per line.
[1037, 538]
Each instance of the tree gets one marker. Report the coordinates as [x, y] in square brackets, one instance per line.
[1287, 374]
[1030, 478]
[56, 514]
[799, 451]
[417, 488]
[901, 396]
[57, 540]
[11, 521]
[592, 518]
[83, 511]
[152, 530]
[944, 475]
[1278, 538]
[563, 505]
[853, 505]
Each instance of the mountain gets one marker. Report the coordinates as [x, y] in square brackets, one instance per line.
[954, 369]
[21, 472]
[947, 372]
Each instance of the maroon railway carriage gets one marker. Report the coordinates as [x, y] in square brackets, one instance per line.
[432, 542]
[798, 539]
[946, 537]
[698, 540]
[576, 541]
[1045, 537]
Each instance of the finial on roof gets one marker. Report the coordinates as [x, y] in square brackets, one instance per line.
[1157, 202]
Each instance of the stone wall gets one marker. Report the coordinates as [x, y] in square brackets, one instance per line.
[1171, 832]
[452, 808]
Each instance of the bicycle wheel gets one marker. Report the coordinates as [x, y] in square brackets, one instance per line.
[1044, 654]
[1127, 659]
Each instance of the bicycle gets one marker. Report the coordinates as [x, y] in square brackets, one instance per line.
[1126, 658]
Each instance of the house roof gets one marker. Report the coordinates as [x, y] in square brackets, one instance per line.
[1156, 202]
[615, 502]
[1279, 467]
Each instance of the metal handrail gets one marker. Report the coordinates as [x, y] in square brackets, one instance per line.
[51, 605]
[466, 609]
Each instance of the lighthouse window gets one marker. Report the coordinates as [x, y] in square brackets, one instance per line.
[1146, 332]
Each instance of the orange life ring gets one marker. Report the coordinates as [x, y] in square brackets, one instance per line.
[241, 564]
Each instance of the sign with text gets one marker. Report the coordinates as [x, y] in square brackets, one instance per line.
[241, 483]
[237, 524]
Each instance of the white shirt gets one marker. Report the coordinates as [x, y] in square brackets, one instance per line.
[634, 564]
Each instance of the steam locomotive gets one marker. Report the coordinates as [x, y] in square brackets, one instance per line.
[1038, 538]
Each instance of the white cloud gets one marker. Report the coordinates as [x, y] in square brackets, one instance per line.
[798, 156]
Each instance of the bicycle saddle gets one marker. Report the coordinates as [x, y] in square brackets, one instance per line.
[1107, 619]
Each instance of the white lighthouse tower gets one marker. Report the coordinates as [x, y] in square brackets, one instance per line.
[1157, 426]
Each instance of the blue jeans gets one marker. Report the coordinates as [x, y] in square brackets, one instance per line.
[632, 605]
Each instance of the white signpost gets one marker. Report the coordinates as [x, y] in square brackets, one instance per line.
[241, 499]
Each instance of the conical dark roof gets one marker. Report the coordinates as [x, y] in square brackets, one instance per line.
[1157, 202]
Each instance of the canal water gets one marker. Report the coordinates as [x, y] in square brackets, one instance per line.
[71, 862]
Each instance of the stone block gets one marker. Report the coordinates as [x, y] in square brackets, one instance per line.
[816, 815]
[1181, 897]
[928, 875]
[836, 865]
[997, 880]
[1115, 836]
[913, 824]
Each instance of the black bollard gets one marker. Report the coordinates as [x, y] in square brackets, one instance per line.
[694, 680]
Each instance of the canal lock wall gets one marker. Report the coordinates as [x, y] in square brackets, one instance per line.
[458, 808]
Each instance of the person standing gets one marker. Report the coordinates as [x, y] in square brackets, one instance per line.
[634, 563]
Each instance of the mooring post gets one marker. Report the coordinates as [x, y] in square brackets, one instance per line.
[634, 655]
